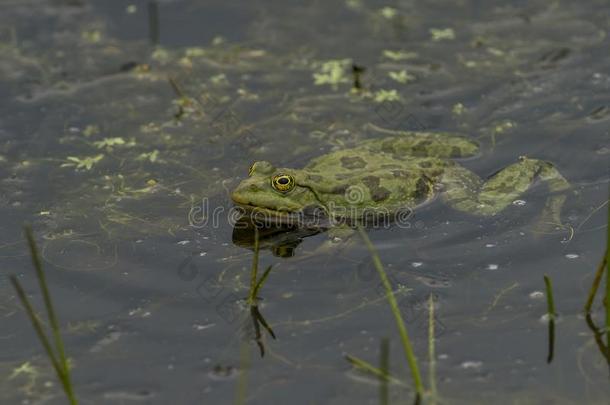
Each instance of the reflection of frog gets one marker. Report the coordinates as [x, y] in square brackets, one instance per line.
[390, 174]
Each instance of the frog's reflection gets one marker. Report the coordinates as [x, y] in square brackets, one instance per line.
[280, 239]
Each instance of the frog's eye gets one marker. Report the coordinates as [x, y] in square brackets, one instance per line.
[283, 182]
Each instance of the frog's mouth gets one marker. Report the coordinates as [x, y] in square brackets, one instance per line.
[262, 216]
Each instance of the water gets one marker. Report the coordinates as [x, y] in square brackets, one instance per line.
[112, 166]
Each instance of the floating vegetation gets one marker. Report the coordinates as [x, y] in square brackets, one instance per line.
[388, 12]
[85, 162]
[55, 354]
[458, 109]
[441, 34]
[382, 96]
[401, 76]
[332, 72]
[108, 143]
[398, 55]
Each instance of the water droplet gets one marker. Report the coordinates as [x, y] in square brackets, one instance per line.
[490, 245]
[572, 256]
[519, 203]
[536, 295]
[184, 242]
[416, 264]
[492, 266]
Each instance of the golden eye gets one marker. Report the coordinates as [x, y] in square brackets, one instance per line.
[283, 182]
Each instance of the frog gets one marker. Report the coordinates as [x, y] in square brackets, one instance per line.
[390, 176]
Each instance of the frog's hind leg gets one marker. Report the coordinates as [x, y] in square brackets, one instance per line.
[420, 143]
[466, 192]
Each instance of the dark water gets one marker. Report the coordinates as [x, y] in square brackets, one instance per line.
[151, 299]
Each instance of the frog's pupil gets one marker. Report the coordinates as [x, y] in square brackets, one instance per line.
[283, 180]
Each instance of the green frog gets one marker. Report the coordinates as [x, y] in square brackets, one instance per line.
[391, 176]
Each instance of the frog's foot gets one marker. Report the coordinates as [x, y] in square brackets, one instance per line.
[549, 221]
[466, 192]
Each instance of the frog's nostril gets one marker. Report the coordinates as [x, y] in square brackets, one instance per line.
[254, 187]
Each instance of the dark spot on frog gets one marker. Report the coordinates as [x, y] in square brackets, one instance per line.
[340, 189]
[371, 181]
[313, 211]
[377, 193]
[355, 162]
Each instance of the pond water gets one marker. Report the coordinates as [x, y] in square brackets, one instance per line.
[124, 126]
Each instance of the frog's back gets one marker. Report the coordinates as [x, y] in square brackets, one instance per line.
[423, 144]
[365, 159]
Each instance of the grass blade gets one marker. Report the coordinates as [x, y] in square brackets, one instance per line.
[596, 282]
[550, 304]
[402, 329]
[367, 367]
[431, 350]
[59, 361]
[254, 270]
[42, 281]
[384, 367]
[607, 297]
[260, 282]
[29, 309]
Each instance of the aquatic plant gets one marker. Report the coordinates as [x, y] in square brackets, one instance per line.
[604, 266]
[400, 323]
[56, 354]
[551, 314]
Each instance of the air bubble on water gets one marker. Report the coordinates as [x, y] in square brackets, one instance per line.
[417, 264]
[183, 242]
[492, 266]
[471, 365]
[198, 326]
[572, 256]
[490, 245]
[536, 295]
[519, 203]
[203, 253]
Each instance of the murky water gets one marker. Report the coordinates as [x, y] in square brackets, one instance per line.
[117, 132]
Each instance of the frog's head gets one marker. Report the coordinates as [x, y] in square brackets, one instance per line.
[277, 191]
